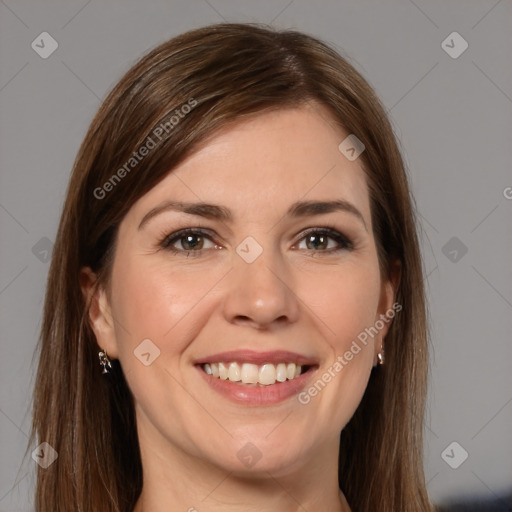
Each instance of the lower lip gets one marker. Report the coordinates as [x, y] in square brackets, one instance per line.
[257, 395]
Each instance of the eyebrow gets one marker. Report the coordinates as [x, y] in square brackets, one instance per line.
[213, 211]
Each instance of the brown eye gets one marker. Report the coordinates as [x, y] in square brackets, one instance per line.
[317, 241]
[192, 242]
[320, 240]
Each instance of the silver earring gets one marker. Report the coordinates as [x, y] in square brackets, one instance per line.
[380, 356]
[104, 361]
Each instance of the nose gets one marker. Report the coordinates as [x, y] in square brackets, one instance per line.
[261, 293]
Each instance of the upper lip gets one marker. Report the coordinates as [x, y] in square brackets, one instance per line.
[259, 358]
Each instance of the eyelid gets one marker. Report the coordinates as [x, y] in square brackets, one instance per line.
[331, 231]
[344, 242]
[167, 239]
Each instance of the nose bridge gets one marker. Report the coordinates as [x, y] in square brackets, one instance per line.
[259, 290]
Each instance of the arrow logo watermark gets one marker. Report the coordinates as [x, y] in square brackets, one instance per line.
[454, 249]
[42, 249]
[454, 45]
[44, 455]
[249, 249]
[44, 45]
[146, 352]
[351, 147]
[454, 455]
[249, 455]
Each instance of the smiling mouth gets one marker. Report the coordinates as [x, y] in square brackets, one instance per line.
[249, 374]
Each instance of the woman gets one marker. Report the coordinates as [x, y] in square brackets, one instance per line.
[236, 253]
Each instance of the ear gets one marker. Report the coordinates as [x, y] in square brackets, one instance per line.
[100, 315]
[389, 288]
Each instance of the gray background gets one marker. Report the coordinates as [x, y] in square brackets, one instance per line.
[452, 116]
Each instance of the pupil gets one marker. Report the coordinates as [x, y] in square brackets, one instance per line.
[187, 241]
[318, 238]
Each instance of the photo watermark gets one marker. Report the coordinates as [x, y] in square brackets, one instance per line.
[342, 360]
[157, 135]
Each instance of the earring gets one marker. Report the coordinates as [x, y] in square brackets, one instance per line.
[104, 361]
[380, 356]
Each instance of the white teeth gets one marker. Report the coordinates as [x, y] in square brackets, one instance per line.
[281, 372]
[248, 373]
[223, 371]
[267, 374]
[234, 372]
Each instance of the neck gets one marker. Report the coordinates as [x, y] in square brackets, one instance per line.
[231, 493]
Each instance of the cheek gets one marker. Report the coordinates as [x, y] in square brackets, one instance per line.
[155, 301]
[345, 299]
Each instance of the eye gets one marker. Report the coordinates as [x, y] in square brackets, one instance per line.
[317, 240]
[191, 241]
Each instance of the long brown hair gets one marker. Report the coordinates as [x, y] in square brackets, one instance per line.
[227, 72]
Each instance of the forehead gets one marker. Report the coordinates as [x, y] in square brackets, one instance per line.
[260, 165]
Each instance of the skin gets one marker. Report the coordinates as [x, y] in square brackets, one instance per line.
[295, 296]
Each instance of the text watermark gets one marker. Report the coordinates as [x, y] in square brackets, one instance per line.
[343, 360]
[150, 143]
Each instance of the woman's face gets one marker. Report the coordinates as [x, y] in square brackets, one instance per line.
[271, 278]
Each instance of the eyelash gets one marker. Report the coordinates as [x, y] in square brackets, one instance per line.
[167, 240]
